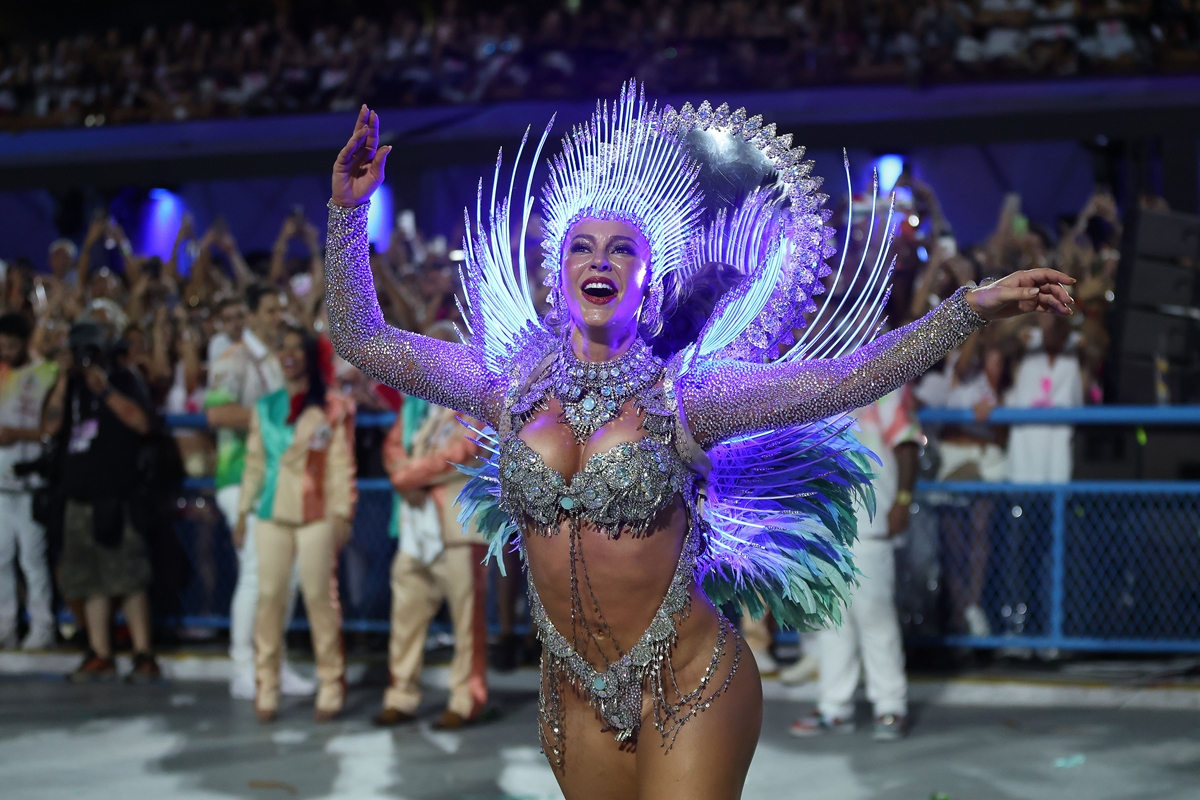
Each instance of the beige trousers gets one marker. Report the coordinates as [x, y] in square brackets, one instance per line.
[756, 632]
[458, 577]
[279, 547]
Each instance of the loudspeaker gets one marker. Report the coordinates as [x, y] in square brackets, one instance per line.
[1168, 236]
[1157, 309]
[1161, 283]
[1139, 376]
[1147, 333]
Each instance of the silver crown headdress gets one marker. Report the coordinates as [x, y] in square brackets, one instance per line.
[623, 166]
[702, 184]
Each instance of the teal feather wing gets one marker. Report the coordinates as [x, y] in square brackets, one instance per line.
[780, 509]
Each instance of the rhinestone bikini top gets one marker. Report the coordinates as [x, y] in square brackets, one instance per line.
[621, 489]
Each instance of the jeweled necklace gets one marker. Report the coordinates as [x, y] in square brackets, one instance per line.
[592, 393]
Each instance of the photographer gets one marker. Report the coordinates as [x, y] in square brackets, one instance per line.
[24, 383]
[99, 415]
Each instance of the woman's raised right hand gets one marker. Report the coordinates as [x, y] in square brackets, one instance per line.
[358, 170]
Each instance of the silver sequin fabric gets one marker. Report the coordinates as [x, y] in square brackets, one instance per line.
[720, 398]
[447, 374]
[728, 398]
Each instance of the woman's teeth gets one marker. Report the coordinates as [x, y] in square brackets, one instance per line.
[599, 289]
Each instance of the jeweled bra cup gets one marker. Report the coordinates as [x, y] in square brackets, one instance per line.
[621, 489]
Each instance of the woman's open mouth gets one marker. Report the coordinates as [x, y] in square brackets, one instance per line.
[599, 291]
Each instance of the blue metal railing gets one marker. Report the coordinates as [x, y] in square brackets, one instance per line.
[1130, 547]
[1083, 415]
[1087, 565]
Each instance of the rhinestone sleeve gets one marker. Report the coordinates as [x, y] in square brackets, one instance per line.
[727, 398]
[444, 373]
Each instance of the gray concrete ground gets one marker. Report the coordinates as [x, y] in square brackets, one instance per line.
[187, 740]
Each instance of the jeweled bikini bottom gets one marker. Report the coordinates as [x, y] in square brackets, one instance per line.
[617, 691]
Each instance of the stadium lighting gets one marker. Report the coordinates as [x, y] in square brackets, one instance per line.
[380, 218]
[160, 220]
[890, 167]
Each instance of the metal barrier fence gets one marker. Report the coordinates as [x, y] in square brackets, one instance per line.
[1097, 565]
[1082, 566]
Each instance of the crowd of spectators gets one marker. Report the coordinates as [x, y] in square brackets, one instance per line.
[458, 52]
[1028, 362]
[171, 320]
[107, 343]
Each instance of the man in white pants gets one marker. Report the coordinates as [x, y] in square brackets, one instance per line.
[246, 371]
[24, 383]
[869, 638]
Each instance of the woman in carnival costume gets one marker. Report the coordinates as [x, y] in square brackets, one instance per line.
[645, 493]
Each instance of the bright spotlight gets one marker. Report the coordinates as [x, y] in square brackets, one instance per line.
[889, 167]
[159, 222]
[380, 218]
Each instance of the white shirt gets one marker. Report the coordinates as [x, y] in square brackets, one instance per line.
[886, 423]
[1043, 453]
[22, 392]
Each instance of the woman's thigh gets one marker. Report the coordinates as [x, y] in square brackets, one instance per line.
[595, 765]
[708, 760]
[712, 751]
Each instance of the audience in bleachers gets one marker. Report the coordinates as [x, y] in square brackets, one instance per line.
[462, 52]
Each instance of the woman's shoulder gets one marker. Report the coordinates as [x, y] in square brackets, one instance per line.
[527, 368]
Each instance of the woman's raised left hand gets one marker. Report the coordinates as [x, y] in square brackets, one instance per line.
[1023, 292]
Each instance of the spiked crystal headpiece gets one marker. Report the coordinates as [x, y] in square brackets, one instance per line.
[623, 166]
[701, 184]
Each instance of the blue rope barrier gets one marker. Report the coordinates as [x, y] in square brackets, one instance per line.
[384, 419]
[1083, 415]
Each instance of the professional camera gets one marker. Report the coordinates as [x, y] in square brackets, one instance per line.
[43, 466]
[89, 345]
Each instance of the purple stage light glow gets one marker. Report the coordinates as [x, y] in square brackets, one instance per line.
[889, 167]
[159, 223]
[380, 219]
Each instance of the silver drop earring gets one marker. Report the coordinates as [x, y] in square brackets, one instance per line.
[650, 315]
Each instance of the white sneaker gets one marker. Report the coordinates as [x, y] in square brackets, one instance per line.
[242, 685]
[817, 724]
[39, 640]
[805, 670]
[1016, 653]
[293, 684]
[767, 665]
[977, 621]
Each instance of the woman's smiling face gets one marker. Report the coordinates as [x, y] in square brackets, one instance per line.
[292, 358]
[605, 273]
